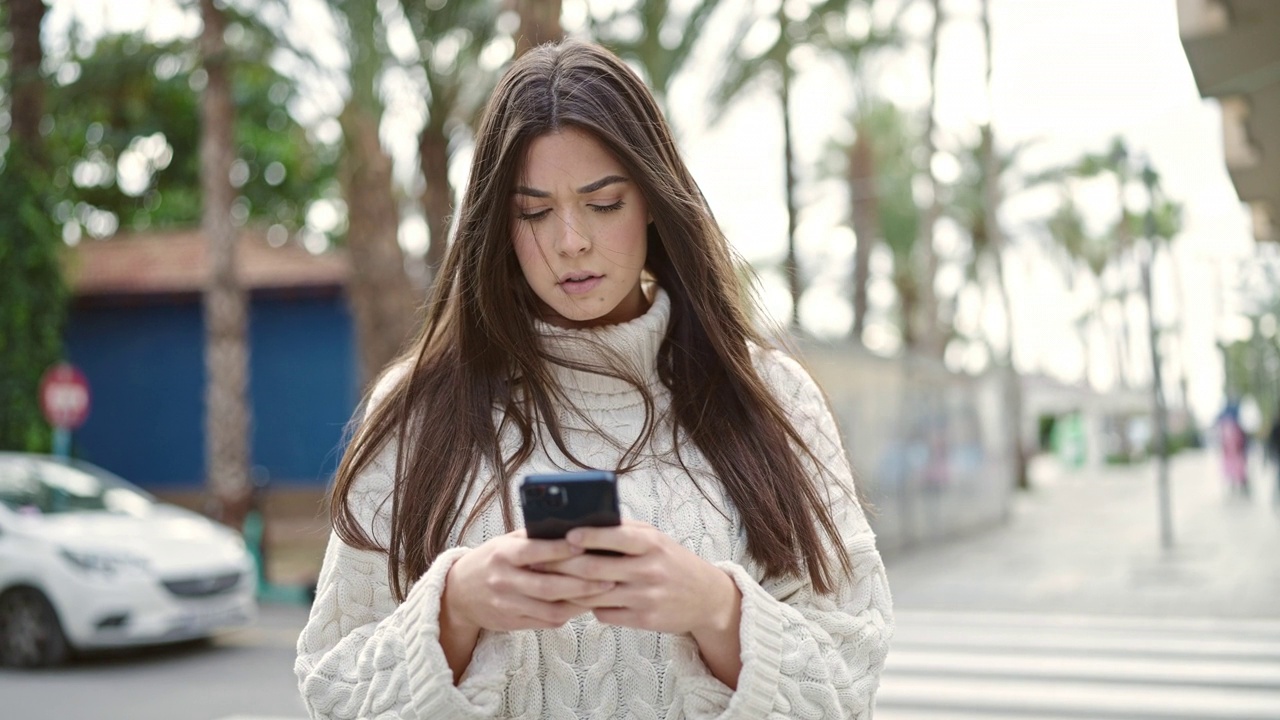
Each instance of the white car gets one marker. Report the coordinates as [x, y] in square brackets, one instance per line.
[90, 561]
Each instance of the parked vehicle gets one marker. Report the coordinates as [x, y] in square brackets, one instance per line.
[89, 561]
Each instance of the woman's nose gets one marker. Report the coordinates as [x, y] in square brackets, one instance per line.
[571, 241]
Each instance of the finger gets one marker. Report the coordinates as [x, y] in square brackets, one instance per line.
[620, 597]
[535, 552]
[551, 587]
[622, 617]
[551, 614]
[598, 567]
[629, 539]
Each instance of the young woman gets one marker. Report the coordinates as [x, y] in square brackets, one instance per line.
[587, 316]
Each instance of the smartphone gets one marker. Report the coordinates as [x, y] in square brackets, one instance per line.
[555, 503]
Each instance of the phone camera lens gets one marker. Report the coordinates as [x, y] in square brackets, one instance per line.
[557, 496]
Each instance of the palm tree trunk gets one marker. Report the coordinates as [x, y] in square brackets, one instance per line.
[929, 334]
[865, 213]
[380, 294]
[437, 197]
[27, 54]
[1124, 340]
[995, 233]
[539, 23]
[904, 282]
[1180, 301]
[790, 264]
[382, 298]
[226, 318]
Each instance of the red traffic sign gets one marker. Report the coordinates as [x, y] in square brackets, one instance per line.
[64, 396]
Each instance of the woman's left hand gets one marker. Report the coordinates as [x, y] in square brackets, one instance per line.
[660, 585]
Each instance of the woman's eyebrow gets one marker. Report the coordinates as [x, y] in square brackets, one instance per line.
[601, 183]
[585, 189]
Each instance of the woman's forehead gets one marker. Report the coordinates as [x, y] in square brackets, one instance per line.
[567, 157]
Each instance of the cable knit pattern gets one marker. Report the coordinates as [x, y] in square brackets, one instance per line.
[804, 655]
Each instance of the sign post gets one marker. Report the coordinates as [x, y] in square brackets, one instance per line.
[64, 399]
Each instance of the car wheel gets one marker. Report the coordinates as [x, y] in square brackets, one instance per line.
[30, 634]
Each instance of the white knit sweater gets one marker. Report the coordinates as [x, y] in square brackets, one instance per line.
[362, 655]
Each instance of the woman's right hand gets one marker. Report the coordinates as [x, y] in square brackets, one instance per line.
[495, 586]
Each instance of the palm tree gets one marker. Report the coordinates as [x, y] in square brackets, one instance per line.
[775, 64]
[456, 88]
[931, 339]
[26, 105]
[663, 48]
[1150, 180]
[32, 294]
[539, 23]
[1116, 163]
[382, 297]
[1166, 225]
[226, 338]
[864, 211]
[882, 170]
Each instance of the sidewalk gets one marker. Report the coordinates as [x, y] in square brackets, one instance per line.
[1081, 543]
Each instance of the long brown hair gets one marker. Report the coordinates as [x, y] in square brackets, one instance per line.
[476, 359]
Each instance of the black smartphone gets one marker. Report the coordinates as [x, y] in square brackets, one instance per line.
[555, 503]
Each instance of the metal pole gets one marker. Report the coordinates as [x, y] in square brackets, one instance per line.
[1157, 380]
[62, 444]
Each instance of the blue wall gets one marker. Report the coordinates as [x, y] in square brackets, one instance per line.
[145, 366]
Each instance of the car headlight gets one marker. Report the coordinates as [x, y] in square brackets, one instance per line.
[104, 563]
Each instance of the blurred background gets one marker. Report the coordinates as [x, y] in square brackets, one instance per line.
[1028, 247]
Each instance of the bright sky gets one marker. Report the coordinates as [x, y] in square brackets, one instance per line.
[1070, 74]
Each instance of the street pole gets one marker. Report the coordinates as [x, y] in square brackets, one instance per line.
[1159, 410]
[62, 444]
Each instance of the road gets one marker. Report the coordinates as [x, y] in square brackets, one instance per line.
[244, 675]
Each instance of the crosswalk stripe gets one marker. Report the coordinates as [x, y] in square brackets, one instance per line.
[1179, 671]
[964, 666]
[1053, 640]
[1252, 627]
[1072, 699]
[257, 717]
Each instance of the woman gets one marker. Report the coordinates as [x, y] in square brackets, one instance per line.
[586, 316]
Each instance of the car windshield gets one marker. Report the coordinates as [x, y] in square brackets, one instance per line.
[39, 485]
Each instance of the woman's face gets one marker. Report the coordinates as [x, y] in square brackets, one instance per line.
[578, 223]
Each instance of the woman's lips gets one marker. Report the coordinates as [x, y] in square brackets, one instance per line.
[573, 285]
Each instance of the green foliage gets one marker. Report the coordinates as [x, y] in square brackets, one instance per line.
[135, 107]
[32, 301]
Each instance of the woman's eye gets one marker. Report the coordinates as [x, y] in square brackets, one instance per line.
[607, 208]
[535, 215]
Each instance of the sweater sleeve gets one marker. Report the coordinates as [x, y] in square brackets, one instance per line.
[804, 655]
[363, 655]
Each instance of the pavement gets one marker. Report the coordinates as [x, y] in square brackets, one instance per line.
[1073, 609]
[1089, 542]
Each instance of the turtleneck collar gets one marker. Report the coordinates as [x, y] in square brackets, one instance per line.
[635, 342]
